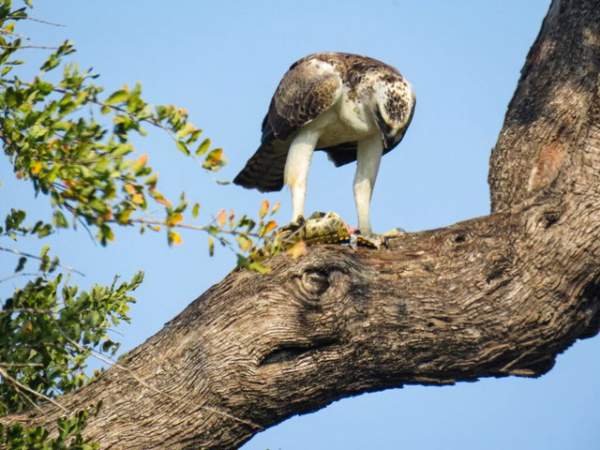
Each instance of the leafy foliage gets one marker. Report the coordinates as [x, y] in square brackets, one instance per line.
[74, 143]
[47, 331]
[17, 437]
[84, 166]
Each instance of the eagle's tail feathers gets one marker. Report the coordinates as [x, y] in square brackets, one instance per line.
[264, 170]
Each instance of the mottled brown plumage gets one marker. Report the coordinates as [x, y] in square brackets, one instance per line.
[353, 107]
[304, 94]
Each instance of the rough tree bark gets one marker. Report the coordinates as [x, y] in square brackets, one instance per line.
[494, 296]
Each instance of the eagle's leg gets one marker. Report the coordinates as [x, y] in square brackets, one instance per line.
[368, 157]
[296, 168]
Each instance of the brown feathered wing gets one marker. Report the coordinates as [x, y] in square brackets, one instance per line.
[303, 94]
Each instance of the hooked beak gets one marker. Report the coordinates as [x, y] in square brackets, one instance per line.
[388, 140]
[387, 135]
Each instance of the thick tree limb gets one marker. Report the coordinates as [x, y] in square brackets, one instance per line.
[495, 296]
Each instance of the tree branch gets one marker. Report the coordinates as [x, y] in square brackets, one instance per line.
[493, 296]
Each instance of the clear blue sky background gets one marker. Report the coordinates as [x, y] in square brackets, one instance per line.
[222, 60]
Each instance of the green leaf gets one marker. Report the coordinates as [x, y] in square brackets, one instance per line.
[119, 96]
[258, 267]
[59, 220]
[188, 128]
[211, 246]
[193, 137]
[244, 243]
[203, 147]
[14, 219]
[51, 63]
[21, 264]
[195, 210]
[248, 263]
[42, 230]
[182, 147]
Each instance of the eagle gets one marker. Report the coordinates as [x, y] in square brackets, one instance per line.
[352, 107]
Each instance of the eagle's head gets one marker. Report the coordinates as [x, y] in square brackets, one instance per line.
[393, 108]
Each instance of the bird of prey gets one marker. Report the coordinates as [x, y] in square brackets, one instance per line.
[353, 107]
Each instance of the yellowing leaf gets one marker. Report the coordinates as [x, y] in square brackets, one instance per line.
[152, 180]
[140, 163]
[174, 238]
[174, 219]
[270, 226]
[276, 207]
[211, 246]
[163, 201]
[264, 209]
[36, 167]
[154, 227]
[297, 250]
[185, 130]
[130, 189]
[138, 199]
[258, 267]
[159, 198]
[244, 243]
[214, 160]
[123, 216]
[27, 327]
[222, 217]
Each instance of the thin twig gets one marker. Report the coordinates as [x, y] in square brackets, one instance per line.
[191, 227]
[38, 47]
[26, 310]
[31, 391]
[87, 229]
[45, 22]
[116, 108]
[30, 401]
[80, 220]
[29, 255]
[149, 120]
[112, 330]
[20, 274]
[12, 33]
[5, 364]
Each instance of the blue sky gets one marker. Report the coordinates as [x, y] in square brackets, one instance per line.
[222, 61]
